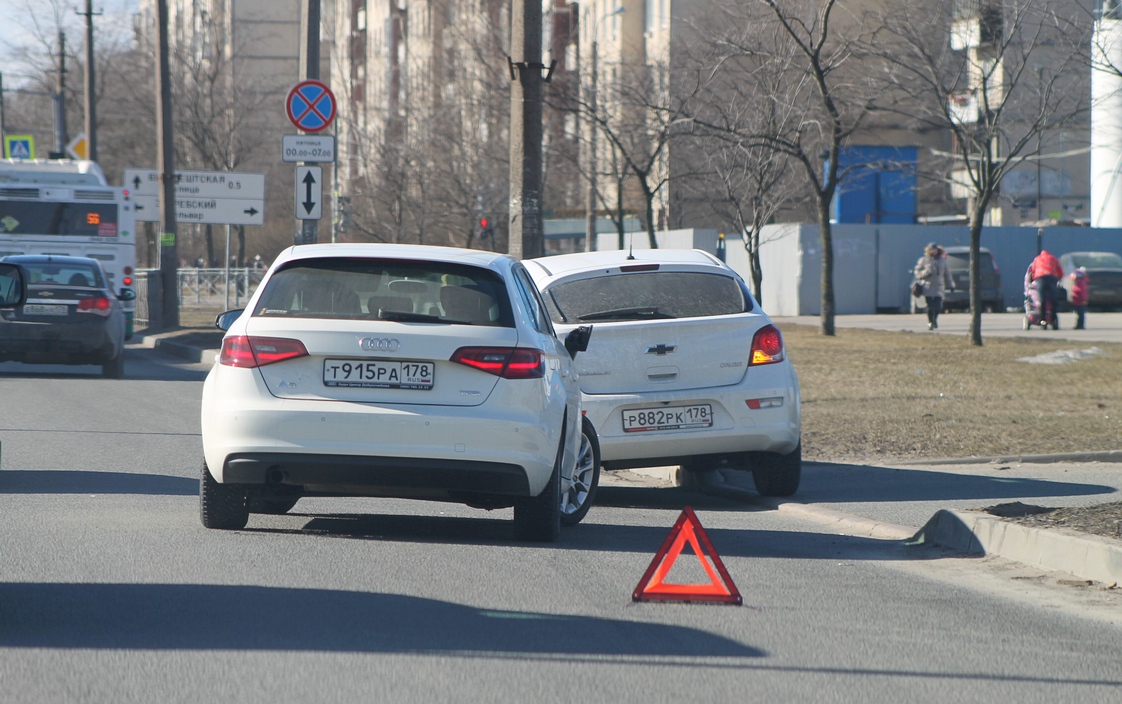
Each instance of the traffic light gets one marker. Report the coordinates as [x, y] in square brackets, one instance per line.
[486, 229]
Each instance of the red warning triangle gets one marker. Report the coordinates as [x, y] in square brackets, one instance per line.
[687, 529]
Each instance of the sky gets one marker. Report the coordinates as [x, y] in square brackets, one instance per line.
[23, 21]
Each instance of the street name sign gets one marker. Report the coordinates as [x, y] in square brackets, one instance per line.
[309, 192]
[205, 197]
[204, 211]
[313, 148]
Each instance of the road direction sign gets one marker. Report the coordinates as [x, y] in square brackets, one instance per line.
[205, 211]
[19, 146]
[310, 106]
[309, 192]
[308, 147]
[207, 197]
[199, 184]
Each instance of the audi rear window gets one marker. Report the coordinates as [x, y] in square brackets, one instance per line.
[647, 296]
[387, 289]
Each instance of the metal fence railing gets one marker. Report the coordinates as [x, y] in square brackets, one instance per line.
[198, 288]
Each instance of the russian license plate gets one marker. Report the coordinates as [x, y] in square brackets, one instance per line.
[378, 374]
[641, 420]
[40, 309]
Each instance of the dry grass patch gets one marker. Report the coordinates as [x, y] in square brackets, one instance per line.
[870, 395]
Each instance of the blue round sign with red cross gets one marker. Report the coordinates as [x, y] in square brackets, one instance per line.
[310, 106]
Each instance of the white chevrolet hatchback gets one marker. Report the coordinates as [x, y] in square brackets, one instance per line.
[396, 371]
[685, 368]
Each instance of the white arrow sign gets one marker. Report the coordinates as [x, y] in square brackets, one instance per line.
[206, 211]
[198, 184]
[309, 192]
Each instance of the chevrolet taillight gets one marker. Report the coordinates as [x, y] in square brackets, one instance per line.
[99, 305]
[767, 346]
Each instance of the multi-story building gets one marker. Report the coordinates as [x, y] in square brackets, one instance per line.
[233, 63]
[423, 91]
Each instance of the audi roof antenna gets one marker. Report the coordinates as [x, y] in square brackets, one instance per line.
[630, 248]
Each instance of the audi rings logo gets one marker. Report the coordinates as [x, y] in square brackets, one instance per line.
[379, 344]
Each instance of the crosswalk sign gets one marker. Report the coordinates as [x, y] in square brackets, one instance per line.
[19, 146]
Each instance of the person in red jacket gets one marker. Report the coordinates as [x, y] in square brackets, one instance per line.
[1080, 283]
[1046, 274]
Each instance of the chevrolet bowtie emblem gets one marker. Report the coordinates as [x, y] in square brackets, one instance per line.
[661, 350]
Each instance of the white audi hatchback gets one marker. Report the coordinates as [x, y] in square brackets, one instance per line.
[685, 368]
[396, 371]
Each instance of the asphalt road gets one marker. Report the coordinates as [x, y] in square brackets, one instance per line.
[111, 591]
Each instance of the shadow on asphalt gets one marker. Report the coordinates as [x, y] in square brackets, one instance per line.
[140, 365]
[67, 481]
[588, 536]
[252, 618]
[849, 483]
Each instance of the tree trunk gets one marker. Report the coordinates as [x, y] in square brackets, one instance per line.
[976, 218]
[650, 217]
[826, 324]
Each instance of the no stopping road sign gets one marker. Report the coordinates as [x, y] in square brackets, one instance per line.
[310, 106]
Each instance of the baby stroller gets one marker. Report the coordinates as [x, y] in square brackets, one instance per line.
[1034, 311]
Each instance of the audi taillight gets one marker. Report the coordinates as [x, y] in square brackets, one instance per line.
[99, 305]
[505, 362]
[767, 346]
[248, 352]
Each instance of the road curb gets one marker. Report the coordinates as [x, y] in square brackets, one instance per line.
[187, 352]
[1055, 549]
[1102, 456]
[968, 532]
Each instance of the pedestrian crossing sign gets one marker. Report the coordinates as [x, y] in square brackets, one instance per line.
[19, 146]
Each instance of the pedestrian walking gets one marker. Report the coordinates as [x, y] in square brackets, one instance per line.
[932, 280]
[1046, 274]
[1080, 285]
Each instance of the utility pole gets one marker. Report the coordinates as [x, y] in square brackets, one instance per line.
[169, 251]
[61, 137]
[307, 231]
[2, 127]
[91, 97]
[526, 238]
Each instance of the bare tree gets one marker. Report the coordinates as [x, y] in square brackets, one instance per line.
[825, 88]
[973, 77]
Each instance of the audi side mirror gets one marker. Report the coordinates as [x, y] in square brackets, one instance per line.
[225, 320]
[13, 287]
[577, 340]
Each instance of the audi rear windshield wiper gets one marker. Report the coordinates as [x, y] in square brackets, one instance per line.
[643, 312]
[403, 317]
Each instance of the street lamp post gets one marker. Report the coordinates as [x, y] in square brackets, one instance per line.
[591, 106]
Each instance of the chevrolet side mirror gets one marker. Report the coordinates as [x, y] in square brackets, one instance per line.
[577, 340]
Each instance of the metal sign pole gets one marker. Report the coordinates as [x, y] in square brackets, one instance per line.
[227, 268]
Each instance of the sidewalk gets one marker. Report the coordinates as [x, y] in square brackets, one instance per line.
[1101, 327]
[1083, 556]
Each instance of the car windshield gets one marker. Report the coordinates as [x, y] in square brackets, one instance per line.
[387, 289]
[961, 260]
[646, 296]
[68, 274]
[1097, 260]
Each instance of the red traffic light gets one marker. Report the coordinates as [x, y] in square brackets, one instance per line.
[484, 222]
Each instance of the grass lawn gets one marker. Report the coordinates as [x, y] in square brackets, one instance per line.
[870, 395]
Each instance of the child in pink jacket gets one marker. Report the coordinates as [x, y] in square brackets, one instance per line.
[1079, 285]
